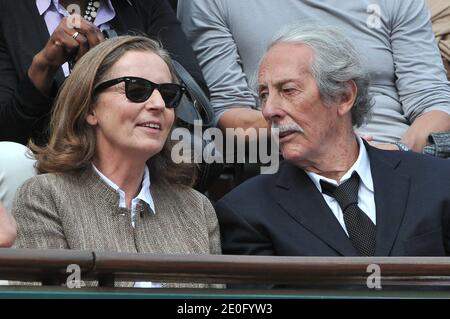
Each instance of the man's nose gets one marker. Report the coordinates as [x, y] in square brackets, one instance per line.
[271, 107]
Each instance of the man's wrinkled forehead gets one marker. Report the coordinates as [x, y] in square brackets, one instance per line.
[285, 61]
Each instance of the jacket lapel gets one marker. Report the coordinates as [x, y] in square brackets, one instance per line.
[299, 197]
[391, 196]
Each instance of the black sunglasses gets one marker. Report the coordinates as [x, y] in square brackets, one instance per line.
[139, 90]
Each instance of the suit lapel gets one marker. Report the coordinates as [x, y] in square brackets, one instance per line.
[299, 197]
[391, 196]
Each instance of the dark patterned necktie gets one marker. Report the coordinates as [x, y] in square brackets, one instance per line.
[359, 226]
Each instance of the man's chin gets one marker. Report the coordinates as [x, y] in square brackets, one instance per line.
[293, 154]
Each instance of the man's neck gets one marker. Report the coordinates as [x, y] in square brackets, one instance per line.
[337, 159]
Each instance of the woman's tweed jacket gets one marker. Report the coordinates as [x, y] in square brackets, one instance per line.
[65, 211]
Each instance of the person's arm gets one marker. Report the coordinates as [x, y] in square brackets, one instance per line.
[242, 117]
[231, 97]
[416, 137]
[21, 103]
[26, 98]
[421, 78]
[213, 232]
[38, 223]
[213, 227]
[8, 228]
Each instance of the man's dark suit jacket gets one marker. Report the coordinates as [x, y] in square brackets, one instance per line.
[285, 214]
[24, 111]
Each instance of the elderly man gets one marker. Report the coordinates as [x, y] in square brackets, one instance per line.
[410, 92]
[334, 195]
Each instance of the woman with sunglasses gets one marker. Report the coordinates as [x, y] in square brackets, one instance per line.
[110, 183]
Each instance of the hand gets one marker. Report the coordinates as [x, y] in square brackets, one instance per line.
[8, 228]
[62, 44]
[65, 41]
[383, 146]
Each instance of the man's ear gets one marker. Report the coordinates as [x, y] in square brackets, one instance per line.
[92, 118]
[348, 98]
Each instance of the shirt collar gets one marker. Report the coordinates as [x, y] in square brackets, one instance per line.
[361, 166]
[105, 13]
[143, 195]
[43, 5]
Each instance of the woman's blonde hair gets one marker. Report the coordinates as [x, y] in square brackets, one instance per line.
[72, 142]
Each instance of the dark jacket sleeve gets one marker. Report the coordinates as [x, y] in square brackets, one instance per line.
[163, 24]
[238, 236]
[22, 105]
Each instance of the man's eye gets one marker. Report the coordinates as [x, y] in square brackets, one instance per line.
[289, 90]
[263, 96]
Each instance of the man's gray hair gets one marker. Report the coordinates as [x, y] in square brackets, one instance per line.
[336, 62]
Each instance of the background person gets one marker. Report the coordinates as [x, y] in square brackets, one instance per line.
[36, 42]
[394, 38]
[440, 18]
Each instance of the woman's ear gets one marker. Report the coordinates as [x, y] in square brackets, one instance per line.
[92, 118]
[348, 98]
